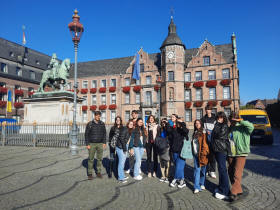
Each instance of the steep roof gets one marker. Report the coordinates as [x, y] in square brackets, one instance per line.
[11, 51]
[120, 65]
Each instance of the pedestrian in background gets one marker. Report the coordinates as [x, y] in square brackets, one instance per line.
[240, 131]
[220, 147]
[200, 151]
[113, 137]
[95, 139]
[152, 154]
[137, 146]
[176, 135]
[209, 121]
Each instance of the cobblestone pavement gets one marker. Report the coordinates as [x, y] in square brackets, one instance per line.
[50, 178]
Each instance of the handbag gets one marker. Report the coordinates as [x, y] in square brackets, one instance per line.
[195, 146]
[186, 152]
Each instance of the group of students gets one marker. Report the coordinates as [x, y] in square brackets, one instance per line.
[213, 141]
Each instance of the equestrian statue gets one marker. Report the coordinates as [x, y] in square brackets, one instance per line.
[56, 76]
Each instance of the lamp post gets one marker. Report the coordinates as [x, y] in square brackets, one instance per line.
[76, 30]
[158, 81]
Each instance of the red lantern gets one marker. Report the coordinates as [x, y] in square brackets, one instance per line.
[93, 90]
[76, 28]
[102, 90]
[126, 89]
[198, 84]
[156, 87]
[84, 91]
[112, 106]
[93, 107]
[225, 102]
[198, 103]
[137, 88]
[84, 108]
[211, 83]
[187, 84]
[18, 105]
[112, 89]
[225, 82]
[102, 107]
[3, 104]
[188, 104]
[212, 103]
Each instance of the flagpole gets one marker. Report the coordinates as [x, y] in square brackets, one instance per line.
[23, 35]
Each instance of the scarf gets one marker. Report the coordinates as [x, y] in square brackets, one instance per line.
[153, 127]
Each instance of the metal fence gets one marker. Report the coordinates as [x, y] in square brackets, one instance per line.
[41, 135]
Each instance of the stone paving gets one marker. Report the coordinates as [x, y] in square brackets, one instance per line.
[50, 178]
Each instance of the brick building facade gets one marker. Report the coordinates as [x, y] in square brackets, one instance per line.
[176, 80]
[20, 71]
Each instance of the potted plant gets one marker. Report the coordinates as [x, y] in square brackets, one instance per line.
[18, 105]
[93, 90]
[211, 83]
[112, 89]
[225, 82]
[102, 107]
[126, 89]
[137, 88]
[198, 103]
[187, 84]
[84, 91]
[156, 87]
[188, 104]
[112, 106]
[84, 108]
[212, 103]
[225, 102]
[102, 90]
[93, 107]
[198, 84]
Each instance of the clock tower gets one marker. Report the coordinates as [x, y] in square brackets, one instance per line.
[172, 72]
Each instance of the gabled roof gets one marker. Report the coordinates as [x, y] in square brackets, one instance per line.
[10, 51]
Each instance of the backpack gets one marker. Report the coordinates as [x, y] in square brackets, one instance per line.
[161, 144]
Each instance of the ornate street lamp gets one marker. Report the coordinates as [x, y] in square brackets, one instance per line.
[76, 30]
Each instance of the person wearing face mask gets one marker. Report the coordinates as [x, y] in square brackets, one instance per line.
[240, 131]
[221, 148]
[137, 146]
[176, 135]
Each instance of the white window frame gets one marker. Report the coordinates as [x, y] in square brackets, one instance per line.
[198, 97]
[127, 98]
[113, 101]
[188, 95]
[206, 58]
[127, 81]
[212, 93]
[149, 98]
[199, 114]
[102, 83]
[226, 73]
[188, 115]
[85, 84]
[93, 83]
[19, 71]
[137, 98]
[85, 102]
[148, 80]
[198, 75]
[93, 99]
[211, 74]
[171, 74]
[226, 92]
[113, 83]
[4, 68]
[127, 115]
[103, 99]
[113, 115]
[187, 76]
[103, 116]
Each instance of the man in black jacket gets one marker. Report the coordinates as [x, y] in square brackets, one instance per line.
[209, 121]
[95, 138]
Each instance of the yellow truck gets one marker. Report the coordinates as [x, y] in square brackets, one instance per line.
[262, 132]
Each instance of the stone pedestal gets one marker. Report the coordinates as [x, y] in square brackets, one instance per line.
[51, 107]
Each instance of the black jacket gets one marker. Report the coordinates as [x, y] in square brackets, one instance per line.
[219, 138]
[176, 137]
[209, 122]
[123, 138]
[95, 132]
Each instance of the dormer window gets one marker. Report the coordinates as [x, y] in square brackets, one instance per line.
[37, 62]
[206, 60]
[4, 68]
[12, 54]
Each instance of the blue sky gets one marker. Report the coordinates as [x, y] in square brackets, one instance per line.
[118, 28]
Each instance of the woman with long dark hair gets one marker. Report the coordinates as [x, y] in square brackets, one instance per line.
[113, 137]
[176, 134]
[152, 154]
[220, 147]
[121, 149]
[131, 159]
[200, 151]
[137, 146]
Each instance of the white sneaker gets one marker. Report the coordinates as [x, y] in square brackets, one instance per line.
[196, 191]
[202, 187]
[166, 180]
[127, 171]
[123, 181]
[182, 183]
[213, 175]
[125, 178]
[162, 179]
[149, 175]
[220, 196]
[138, 178]
[173, 183]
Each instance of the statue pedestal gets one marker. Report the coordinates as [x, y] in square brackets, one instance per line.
[51, 107]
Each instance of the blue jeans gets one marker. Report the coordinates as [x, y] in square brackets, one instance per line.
[122, 158]
[199, 174]
[138, 152]
[179, 166]
[223, 175]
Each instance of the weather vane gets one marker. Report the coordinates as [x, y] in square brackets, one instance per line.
[172, 12]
